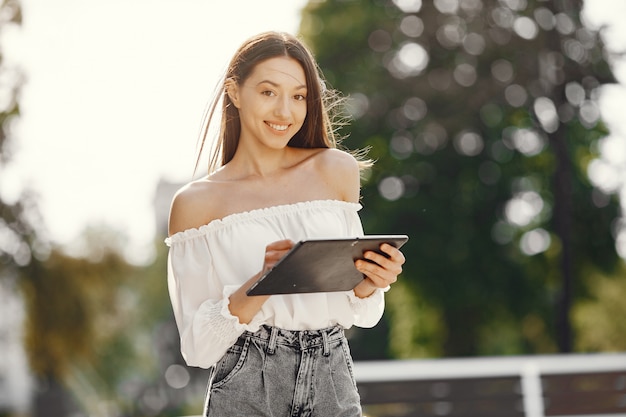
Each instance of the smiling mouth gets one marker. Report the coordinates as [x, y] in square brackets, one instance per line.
[280, 128]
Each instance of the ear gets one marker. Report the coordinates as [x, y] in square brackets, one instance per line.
[232, 89]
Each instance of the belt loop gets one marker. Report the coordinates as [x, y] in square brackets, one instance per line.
[302, 342]
[326, 348]
[271, 346]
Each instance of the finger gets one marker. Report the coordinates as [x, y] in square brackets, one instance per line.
[394, 253]
[284, 244]
[271, 259]
[379, 276]
[275, 252]
[380, 281]
[278, 249]
[275, 255]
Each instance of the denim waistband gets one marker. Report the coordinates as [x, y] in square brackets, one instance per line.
[297, 339]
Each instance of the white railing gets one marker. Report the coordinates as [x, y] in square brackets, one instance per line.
[529, 369]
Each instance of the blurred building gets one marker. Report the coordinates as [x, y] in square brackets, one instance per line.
[16, 385]
[163, 195]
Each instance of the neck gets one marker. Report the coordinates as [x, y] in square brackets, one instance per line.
[260, 163]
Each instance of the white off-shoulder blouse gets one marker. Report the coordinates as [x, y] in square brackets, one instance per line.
[207, 264]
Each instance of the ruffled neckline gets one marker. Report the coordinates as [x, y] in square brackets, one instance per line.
[260, 213]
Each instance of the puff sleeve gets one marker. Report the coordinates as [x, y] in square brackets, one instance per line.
[200, 304]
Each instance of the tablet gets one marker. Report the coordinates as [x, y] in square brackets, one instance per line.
[321, 265]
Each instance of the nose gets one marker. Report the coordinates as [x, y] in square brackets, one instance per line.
[282, 108]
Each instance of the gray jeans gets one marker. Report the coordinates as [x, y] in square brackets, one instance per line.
[276, 372]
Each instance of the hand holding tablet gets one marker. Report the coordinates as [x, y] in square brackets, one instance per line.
[321, 265]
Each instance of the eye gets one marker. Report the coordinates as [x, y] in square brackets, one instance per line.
[268, 93]
[299, 97]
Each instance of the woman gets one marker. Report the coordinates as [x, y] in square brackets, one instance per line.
[281, 179]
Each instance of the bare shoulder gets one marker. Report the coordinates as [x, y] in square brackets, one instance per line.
[335, 157]
[341, 171]
[192, 206]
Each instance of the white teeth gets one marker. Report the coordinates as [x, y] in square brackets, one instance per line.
[278, 127]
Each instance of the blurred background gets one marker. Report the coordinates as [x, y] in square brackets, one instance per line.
[500, 138]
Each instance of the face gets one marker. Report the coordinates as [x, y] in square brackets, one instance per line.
[271, 102]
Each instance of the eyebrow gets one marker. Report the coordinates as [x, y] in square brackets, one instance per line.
[272, 83]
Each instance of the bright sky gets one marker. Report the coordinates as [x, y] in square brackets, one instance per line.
[115, 92]
[114, 97]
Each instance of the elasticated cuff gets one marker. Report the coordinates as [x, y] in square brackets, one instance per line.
[254, 324]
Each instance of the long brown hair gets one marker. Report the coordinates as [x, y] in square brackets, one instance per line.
[317, 131]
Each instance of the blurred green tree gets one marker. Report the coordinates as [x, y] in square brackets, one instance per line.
[71, 312]
[483, 119]
[81, 329]
[89, 332]
[599, 320]
[22, 241]
[90, 320]
[96, 324]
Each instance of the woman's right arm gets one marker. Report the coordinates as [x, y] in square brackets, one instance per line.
[209, 315]
[205, 325]
[246, 307]
[199, 301]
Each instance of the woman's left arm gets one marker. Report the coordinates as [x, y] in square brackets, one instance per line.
[344, 176]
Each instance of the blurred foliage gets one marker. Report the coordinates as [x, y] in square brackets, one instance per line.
[71, 307]
[104, 328]
[599, 320]
[98, 333]
[483, 119]
[16, 227]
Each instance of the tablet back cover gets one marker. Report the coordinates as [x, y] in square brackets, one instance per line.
[320, 266]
